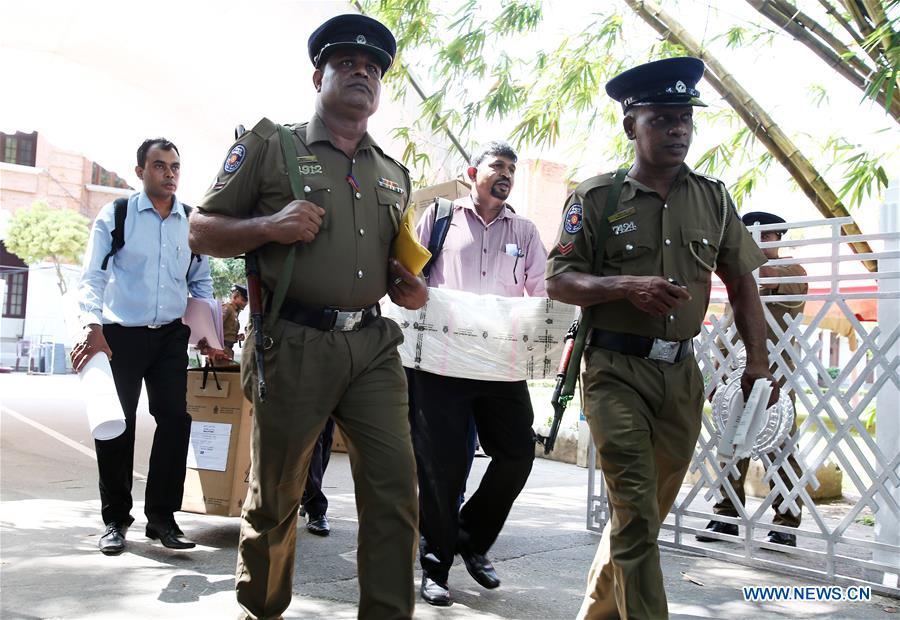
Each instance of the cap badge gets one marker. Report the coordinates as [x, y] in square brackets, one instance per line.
[680, 87]
[360, 39]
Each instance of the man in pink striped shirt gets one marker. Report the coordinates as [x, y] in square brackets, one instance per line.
[489, 250]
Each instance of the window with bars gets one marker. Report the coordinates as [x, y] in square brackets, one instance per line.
[19, 148]
[16, 290]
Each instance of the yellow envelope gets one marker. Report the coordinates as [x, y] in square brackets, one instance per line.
[407, 249]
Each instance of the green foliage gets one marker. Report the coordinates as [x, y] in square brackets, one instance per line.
[862, 172]
[487, 65]
[39, 233]
[818, 94]
[225, 272]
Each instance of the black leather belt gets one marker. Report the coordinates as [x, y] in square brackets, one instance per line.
[328, 319]
[641, 346]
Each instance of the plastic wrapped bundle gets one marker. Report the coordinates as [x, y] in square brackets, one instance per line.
[485, 337]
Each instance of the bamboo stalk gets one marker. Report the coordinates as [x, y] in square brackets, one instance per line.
[862, 23]
[793, 13]
[800, 28]
[878, 18]
[829, 8]
[865, 29]
[757, 119]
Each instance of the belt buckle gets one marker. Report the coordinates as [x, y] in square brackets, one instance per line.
[347, 321]
[154, 326]
[664, 350]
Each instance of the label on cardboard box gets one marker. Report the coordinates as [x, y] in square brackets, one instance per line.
[216, 478]
[208, 446]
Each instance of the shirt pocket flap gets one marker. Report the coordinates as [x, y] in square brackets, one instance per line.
[700, 239]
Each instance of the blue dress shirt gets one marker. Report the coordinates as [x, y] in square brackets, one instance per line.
[147, 281]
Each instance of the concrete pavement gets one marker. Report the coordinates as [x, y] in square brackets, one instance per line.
[50, 566]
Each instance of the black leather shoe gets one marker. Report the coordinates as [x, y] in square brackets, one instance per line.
[779, 538]
[720, 528]
[318, 525]
[169, 534]
[113, 541]
[435, 593]
[480, 568]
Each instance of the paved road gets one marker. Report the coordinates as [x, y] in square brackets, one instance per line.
[50, 566]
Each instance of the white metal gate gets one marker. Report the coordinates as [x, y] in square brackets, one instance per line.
[856, 540]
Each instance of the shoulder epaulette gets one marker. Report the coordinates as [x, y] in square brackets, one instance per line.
[264, 128]
[712, 179]
[602, 180]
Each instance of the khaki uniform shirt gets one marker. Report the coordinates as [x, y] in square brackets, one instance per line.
[784, 311]
[229, 324]
[677, 238]
[346, 266]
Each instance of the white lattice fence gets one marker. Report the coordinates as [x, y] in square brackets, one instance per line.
[837, 541]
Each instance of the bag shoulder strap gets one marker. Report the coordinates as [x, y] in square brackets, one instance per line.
[443, 215]
[584, 325]
[188, 209]
[289, 152]
[612, 202]
[120, 212]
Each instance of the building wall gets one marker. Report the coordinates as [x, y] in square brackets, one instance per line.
[60, 177]
[545, 189]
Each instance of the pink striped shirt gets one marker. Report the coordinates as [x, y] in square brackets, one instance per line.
[505, 257]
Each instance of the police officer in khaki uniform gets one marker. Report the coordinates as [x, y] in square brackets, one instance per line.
[328, 351]
[644, 295]
[230, 311]
[783, 312]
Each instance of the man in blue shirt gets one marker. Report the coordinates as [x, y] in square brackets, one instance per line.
[131, 309]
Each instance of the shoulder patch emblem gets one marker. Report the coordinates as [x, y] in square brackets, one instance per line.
[235, 158]
[574, 219]
[391, 185]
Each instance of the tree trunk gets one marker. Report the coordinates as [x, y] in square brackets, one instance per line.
[759, 122]
[60, 280]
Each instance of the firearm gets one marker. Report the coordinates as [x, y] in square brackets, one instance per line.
[254, 292]
[563, 390]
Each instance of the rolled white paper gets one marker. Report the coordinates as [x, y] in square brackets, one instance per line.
[104, 411]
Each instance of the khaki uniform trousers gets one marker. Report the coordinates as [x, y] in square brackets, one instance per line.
[355, 377]
[644, 417]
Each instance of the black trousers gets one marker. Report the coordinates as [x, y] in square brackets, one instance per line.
[314, 501]
[440, 410]
[159, 358]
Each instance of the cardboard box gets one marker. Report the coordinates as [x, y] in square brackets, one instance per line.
[451, 190]
[338, 444]
[218, 472]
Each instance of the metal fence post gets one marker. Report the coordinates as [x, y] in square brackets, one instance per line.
[887, 422]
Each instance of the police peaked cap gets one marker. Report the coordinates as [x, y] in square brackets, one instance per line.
[240, 288]
[761, 217]
[352, 30]
[672, 81]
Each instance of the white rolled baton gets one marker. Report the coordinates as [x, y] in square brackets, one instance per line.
[104, 411]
